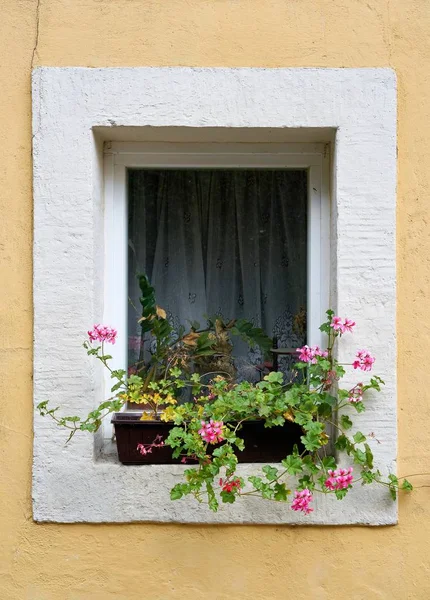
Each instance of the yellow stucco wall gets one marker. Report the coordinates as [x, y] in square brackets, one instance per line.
[157, 562]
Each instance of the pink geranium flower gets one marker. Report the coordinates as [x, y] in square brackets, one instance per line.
[337, 324]
[101, 333]
[301, 501]
[309, 354]
[305, 353]
[348, 325]
[212, 432]
[364, 360]
[342, 325]
[340, 479]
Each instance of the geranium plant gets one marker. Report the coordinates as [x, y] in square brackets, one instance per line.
[207, 429]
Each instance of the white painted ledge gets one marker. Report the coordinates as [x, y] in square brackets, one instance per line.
[72, 109]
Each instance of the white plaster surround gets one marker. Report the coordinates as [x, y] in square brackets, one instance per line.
[73, 109]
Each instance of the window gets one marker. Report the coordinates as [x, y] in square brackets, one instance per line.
[238, 230]
[80, 249]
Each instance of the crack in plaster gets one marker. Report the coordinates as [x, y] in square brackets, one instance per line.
[36, 39]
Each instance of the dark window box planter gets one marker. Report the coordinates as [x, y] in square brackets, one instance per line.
[262, 444]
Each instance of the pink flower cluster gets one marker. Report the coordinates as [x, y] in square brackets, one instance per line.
[342, 325]
[364, 360]
[301, 501]
[308, 354]
[212, 432]
[230, 486]
[340, 479]
[101, 333]
[147, 448]
[356, 394]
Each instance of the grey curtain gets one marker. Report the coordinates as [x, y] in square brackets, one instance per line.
[222, 242]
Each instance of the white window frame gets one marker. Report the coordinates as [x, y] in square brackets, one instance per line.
[121, 156]
[74, 111]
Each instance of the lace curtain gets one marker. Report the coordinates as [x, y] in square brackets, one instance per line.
[227, 242]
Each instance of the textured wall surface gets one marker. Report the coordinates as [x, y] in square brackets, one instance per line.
[157, 562]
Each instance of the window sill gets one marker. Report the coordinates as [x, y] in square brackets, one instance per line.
[107, 491]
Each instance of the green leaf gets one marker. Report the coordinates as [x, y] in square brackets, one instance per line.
[340, 494]
[369, 456]
[239, 443]
[300, 366]
[91, 427]
[314, 427]
[290, 398]
[276, 421]
[301, 418]
[281, 492]
[346, 422]
[406, 485]
[257, 482]
[359, 437]
[325, 410]
[306, 482]
[212, 501]
[343, 443]
[309, 464]
[311, 441]
[275, 377]
[293, 464]
[267, 491]
[329, 462]
[176, 492]
[339, 370]
[393, 492]
[325, 327]
[270, 472]
[227, 497]
[265, 410]
[368, 476]
[376, 383]
[360, 456]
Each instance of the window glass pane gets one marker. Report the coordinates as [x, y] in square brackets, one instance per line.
[221, 242]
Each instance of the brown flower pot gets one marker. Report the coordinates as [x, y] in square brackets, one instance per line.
[262, 444]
